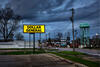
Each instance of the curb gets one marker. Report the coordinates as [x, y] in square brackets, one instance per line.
[68, 61]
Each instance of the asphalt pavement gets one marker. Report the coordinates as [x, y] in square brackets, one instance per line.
[37, 60]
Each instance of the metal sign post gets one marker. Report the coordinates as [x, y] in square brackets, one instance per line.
[33, 42]
[24, 46]
[40, 41]
[29, 40]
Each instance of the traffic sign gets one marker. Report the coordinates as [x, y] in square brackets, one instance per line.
[34, 28]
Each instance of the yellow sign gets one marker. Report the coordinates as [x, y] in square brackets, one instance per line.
[33, 28]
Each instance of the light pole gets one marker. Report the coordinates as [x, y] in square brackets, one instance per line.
[72, 19]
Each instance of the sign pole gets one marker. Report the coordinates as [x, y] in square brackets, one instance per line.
[33, 29]
[33, 42]
[29, 40]
[24, 46]
[40, 42]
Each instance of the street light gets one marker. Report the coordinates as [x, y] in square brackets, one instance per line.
[72, 19]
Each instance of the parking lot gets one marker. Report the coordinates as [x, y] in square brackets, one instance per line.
[38, 60]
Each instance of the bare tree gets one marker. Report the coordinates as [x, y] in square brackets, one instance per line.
[19, 36]
[9, 23]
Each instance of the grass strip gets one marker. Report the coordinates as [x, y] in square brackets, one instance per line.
[79, 60]
[72, 53]
[16, 48]
[23, 52]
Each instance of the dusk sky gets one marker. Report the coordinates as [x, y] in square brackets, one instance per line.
[55, 14]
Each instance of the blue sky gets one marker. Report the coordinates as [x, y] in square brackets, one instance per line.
[55, 13]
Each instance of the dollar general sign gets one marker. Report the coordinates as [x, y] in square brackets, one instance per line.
[33, 28]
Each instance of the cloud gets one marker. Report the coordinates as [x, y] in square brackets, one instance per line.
[3, 3]
[31, 8]
[55, 14]
[55, 10]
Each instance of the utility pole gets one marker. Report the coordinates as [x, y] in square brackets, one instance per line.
[54, 35]
[49, 39]
[54, 38]
[65, 35]
[72, 19]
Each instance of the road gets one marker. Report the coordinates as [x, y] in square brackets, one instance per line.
[87, 51]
